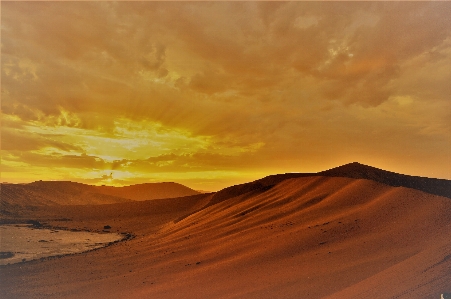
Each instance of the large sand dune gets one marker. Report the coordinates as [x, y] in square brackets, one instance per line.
[291, 237]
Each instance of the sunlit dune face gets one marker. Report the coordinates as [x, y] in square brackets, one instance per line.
[213, 94]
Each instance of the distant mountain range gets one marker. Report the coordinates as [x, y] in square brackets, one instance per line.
[41, 193]
[148, 191]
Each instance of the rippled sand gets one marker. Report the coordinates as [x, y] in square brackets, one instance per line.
[20, 243]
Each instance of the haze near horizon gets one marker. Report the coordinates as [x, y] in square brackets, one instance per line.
[211, 94]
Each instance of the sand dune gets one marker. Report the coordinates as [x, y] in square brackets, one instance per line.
[281, 237]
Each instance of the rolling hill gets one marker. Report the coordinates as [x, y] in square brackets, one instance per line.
[16, 197]
[148, 191]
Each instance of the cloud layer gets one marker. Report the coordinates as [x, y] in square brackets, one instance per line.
[214, 93]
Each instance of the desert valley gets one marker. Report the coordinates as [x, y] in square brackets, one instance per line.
[350, 232]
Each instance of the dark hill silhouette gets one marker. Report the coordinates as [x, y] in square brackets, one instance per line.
[148, 191]
[353, 170]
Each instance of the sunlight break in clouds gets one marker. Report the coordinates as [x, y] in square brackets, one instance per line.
[216, 93]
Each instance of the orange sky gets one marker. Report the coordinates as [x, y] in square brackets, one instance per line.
[210, 94]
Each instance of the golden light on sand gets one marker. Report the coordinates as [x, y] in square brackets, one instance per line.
[209, 94]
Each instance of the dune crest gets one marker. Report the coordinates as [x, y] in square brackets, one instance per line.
[359, 171]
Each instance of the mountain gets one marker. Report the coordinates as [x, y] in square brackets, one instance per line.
[15, 197]
[148, 191]
[53, 193]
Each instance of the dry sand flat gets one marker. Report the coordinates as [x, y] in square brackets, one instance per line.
[308, 237]
[23, 242]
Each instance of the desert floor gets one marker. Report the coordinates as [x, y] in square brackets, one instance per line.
[308, 237]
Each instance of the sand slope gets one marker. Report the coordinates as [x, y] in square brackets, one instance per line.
[306, 237]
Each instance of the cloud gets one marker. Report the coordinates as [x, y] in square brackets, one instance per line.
[17, 140]
[55, 160]
[210, 82]
[203, 85]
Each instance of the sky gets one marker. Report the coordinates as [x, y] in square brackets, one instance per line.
[212, 94]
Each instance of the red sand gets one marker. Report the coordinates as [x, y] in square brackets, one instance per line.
[309, 237]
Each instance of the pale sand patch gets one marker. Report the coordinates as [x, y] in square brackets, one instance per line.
[20, 243]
